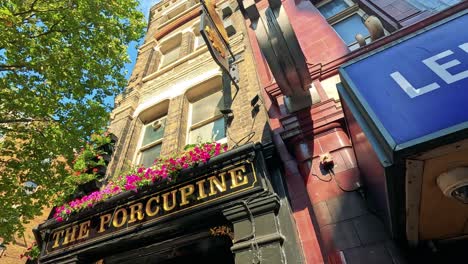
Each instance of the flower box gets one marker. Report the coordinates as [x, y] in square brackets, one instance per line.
[162, 173]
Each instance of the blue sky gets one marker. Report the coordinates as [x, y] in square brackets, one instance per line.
[144, 7]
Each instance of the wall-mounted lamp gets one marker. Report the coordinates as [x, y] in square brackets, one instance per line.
[454, 183]
[326, 161]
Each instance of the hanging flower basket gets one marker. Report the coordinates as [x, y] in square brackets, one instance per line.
[99, 171]
[90, 186]
[104, 142]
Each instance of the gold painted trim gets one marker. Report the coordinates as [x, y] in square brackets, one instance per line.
[126, 229]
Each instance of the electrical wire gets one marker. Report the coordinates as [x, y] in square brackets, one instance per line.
[252, 236]
[337, 182]
[322, 179]
[249, 136]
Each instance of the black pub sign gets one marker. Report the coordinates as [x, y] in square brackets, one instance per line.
[202, 190]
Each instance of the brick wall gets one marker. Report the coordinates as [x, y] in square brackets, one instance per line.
[149, 86]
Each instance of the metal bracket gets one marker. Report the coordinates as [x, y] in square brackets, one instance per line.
[234, 68]
[234, 72]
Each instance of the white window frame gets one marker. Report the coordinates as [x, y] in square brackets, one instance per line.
[191, 127]
[142, 147]
[195, 29]
[353, 9]
[198, 41]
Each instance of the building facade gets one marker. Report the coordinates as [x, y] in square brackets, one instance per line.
[302, 180]
[176, 97]
[358, 207]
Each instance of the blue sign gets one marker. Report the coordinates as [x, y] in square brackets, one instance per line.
[419, 86]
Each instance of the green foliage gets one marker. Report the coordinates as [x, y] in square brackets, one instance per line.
[89, 157]
[78, 179]
[85, 164]
[100, 139]
[59, 61]
[32, 252]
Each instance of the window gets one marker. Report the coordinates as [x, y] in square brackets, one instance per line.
[348, 27]
[198, 41]
[170, 49]
[332, 8]
[346, 18]
[176, 11]
[152, 141]
[206, 121]
[433, 5]
[171, 14]
[171, 55]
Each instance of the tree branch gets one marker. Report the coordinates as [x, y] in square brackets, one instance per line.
[22, 120]
[12, 67]
[31, 9]
[51, 29]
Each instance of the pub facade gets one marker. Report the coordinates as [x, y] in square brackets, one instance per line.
[231, 209]
[307, 177]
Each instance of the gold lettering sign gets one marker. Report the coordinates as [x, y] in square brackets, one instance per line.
[205, 189]
[215, 41]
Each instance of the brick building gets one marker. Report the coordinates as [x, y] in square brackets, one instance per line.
[174, 98]
[311, 196]
[351, 214]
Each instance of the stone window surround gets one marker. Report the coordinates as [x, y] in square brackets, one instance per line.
[148, 117]
[165, 68]
[195, 28]
[170, 43]
[177, 89]
[178, 5]
[198, 92]
[148, 112]
[352, 9]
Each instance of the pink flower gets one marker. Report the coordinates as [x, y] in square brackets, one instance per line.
[163, 169]
[130, 187]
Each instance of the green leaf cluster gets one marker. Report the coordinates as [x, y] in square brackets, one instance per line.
[59, 61]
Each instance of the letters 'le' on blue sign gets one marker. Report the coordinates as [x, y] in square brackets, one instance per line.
[419, 86]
